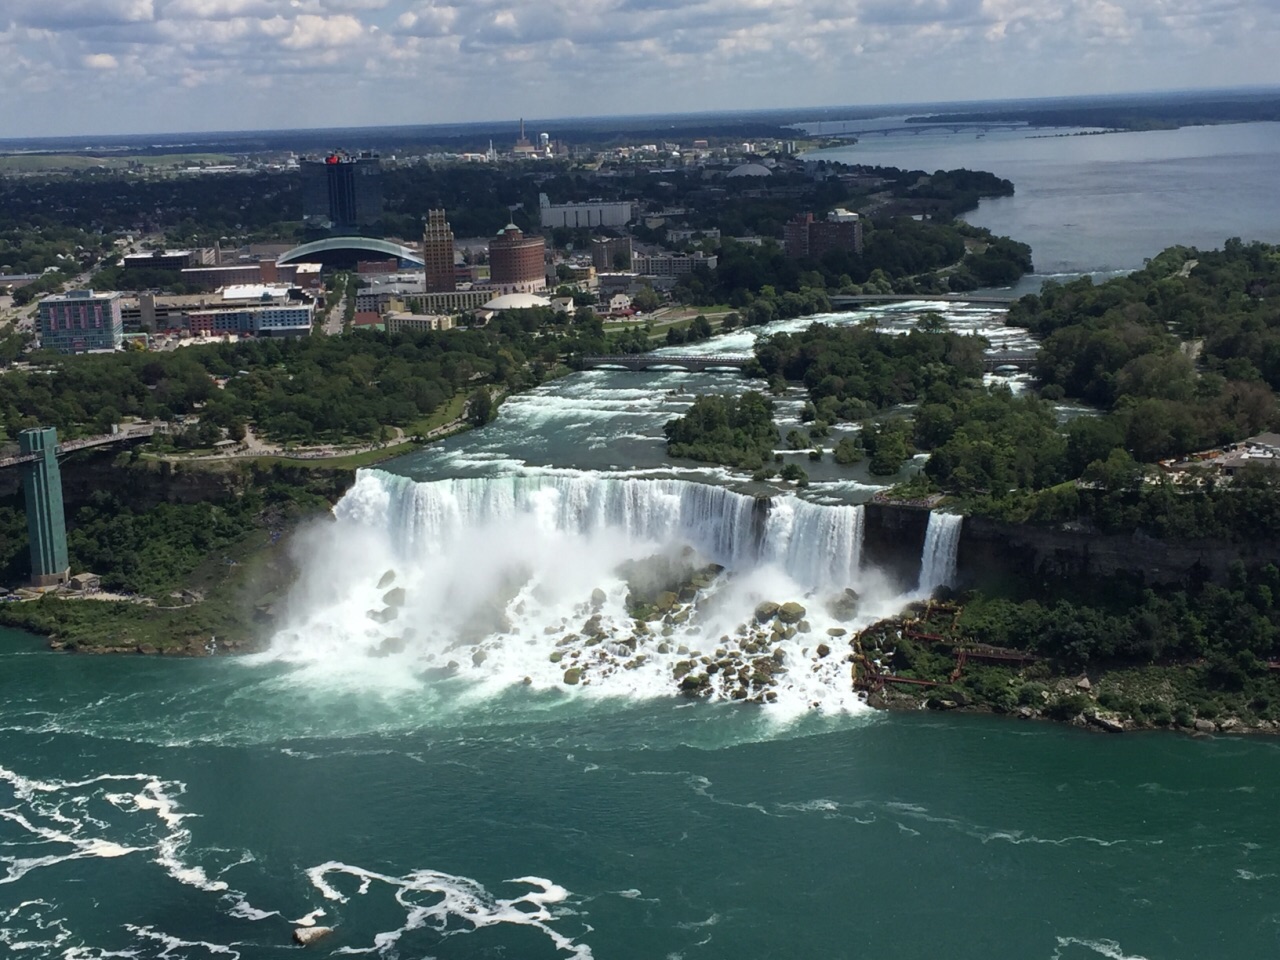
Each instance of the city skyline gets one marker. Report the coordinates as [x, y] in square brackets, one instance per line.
[137, 66]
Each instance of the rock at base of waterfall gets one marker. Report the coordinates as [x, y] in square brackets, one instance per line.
[305, 936]
[791, 612]
[766, 611]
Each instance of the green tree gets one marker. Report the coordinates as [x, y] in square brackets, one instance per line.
[480, 407]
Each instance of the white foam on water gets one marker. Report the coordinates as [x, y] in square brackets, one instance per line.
[456, 901]
[1103, 948]
[153, 797]
[247, 911]
[61, 821]
[33, 925]
[47, 831]
[168, 944]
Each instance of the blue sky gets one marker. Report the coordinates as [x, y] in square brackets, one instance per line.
[103, 66]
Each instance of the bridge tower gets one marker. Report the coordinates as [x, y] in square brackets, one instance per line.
[46, 522]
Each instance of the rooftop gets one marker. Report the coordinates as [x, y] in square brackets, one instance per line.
[254, 291]
[517, 301]
[79, 295]
[750, 170]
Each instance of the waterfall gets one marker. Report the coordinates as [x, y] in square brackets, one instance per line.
[818, 546]
[613, 586]
[938, 559]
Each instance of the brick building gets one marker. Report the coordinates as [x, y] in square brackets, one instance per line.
[517, 264]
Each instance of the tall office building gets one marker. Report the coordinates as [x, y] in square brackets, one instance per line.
[517, 264]
[342, 191]
[80, 320]
[611, 254]
[437, 253]
[803, 236]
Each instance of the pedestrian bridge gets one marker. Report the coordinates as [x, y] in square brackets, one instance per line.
[647, 361]
[127, 433]
[1021, 362]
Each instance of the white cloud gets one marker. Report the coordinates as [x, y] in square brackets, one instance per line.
[486, 58]
[311, 32]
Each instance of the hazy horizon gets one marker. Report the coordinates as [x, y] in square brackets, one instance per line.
[101, 67]
[781, 115]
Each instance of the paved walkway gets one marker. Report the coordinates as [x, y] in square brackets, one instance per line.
[254, 447]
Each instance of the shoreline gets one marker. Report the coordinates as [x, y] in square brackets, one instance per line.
[1091, 721]
[1065, 698]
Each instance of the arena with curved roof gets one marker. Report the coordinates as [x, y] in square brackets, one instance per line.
[346, 252]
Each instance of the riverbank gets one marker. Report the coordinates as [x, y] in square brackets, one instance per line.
[926, 659]
[200, 553]
[228, 607]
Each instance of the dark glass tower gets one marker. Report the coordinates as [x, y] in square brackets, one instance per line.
[342, 191]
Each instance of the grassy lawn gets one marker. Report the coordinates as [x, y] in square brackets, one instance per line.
[449, 411]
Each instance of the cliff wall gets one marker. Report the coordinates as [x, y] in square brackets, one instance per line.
[893, 540]
[993, 553]
[142, 484]
[991, 550]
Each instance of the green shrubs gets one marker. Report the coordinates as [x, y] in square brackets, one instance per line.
[1067, 706]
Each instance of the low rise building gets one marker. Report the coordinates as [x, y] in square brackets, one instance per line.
[399, 321]
[672, 264]
[168, 259]
[259, 309]
[456, 301]
[685, 234]
[151, 312]
[378, 295]
[593, 213]
[81, 321]
[303, 275]
[582, 274]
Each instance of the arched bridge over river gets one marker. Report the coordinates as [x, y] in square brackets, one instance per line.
[648, 361]
[846, 301]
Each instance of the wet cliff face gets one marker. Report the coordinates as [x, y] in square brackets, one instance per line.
[999, 557]
[141, 486]
[994, 554]
[893, 541]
